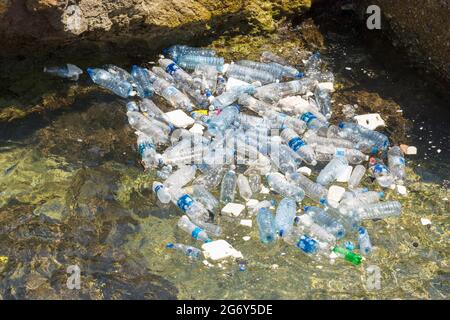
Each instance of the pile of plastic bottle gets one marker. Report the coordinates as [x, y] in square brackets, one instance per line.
[263, 121]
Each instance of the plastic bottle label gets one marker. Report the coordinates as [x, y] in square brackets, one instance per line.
[170, 90]
[296, 143]
[195, 232]
[158, 187]
[308, 117]
[185, 202]
[379, 168]
[144, 146]
[398, 161]
[307, 244]
[172, 68]
[340, 152]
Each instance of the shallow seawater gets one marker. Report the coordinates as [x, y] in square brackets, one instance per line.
[72, 192]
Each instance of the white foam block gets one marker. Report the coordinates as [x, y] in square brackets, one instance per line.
[233, 209]
[220, 249]
[370, 121]
[251, 204]
[179, 119]
[411, 150]
[344, 175]
[197, 128]
[246, 223]
[305, 170]
[326, 86]
[246, 238]
[425, 221]
[335, 194]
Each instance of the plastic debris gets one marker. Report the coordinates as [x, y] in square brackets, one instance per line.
[233, 209]
[370, 121]
[219, 250]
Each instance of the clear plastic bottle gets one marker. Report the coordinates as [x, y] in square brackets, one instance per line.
[146, 148]
[106, 80]
[277, 70]
[311, 137]
[190, 251]
[229, 97]
[161, 73]
[174, 96]
[175, 71]
[382, 175]
[312, 121]
[228, 186]
[266, 225]
[377, 138]
[201, 99]
[196, 232]
[357, 174]
[248, 74]
[328, 152]
[206, 77]
[193, 209]
[379, 210]
[161, 192]
[142, 77]
[119, 73]
[323, 100]
[253, 104]
[314, 191]
[396, 162]
[306, 225]
[280, 185]
[244, 187]
[299, 146]
[212, 177]
[331, 170]
[285, 215]
[151, 127]
[69, 71]
[358, 200]
[178, 50]
[328, 222]
[254, 181]
[224, 120]
[152, 110]
[282, 121]
[365, 247]
[181, 177]
[201, 194]
[190, 62]
[268, 56]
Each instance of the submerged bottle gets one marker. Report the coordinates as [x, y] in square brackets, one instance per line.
[190, 251]
[178, 50]
[244, 187]
[106, 80]
[396, 162]
[254, 181]
[379, 210]
[193, 209]
[201, 194]
[69, 71]
[378, 139]
[197, 233]
[285, 215]
[151, 127]
[161, 192]
[181, 177]
[331, 170]
[146, 148]
[248, 74]
[266, 225]
[228, 187]
[325, 220]
[294, 142]
[365, 247]
[280, 185]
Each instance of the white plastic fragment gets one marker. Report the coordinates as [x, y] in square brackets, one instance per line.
[197, 128]
[370, 121]
[335, 194]
[401, 190]
[246, 223]
[246, 238]
[344, 175]
[235, 83]
[179, 118]
[233, 209]
[220, 249]
[425, 221]
[411, 150]
[305, 170]
[264, 190]
[326, 86]
[251, 203]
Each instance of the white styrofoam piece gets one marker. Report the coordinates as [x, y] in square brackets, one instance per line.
[220, 249]
[179, 118]
[251, 203]
[246, 223]
[344, 175]
[411, 150]
[401, 190]
[370, 121]
[335, 194]
[233, 209]
[233, 83]
[326, 86]
[246, 238]
[305, 170]
[264, 190]
[425, 221]
[197, 128]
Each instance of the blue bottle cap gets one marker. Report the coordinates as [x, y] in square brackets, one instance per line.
[306, 208]
[165, 50]
[208, 240]
[300, 75]
[374, 150]
[361, 230]
[323, 201]
[281, 233]
[341, 125]
[170, 245]
[90, 71]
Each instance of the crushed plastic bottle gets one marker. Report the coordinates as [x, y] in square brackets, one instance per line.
[106, 80]
[69, 71]
[396, 163]
[331, 170]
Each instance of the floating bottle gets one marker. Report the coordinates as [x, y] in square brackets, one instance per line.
[190, 62]
[177, 51]
[151, 127]
[356, 176]
[147, 150]
[201, 194]
[379, 210]
[190, 251]
[193, 209]
[280, 185]
[175, 71]
[254, 181]
[299, 146]
[313, 190]
[348, 255]
[328, 222]
[266, 225]
[142, 77]
[328, 152]
[396, 162]
[161, 192]
[229, 97]
[174, 96]
[331, 170]
[224, 120]
[312, 121]
[106, 80]
[228, 187]
[197, 233]
[285, 215]
[69, 71]
[181, 177]
[365, 247]
[248, 74]
[244, 187]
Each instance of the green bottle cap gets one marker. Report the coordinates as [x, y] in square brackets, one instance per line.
[348, 255]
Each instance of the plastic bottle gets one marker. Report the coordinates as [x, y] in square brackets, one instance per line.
[253, 104]
[201, 194]
[356, 176]
[396, 162]
[280, 185]
[119, 73]
[228, 97]
[359, 200]
[314, 191]
[69, 71]
[365, 247]
[328, 222]
[161, 192]
[379, 210]
[331, 170]
[197, 233]
[312, 121]
[254, 181]
[178, 50]
[142, 77]
[206, 77]
[161, 73]
[266, 225]
[349, 220]
[311, 137]
[181, 177]
[147, 150]
[175, 71]
[328, 152]
[248, 74]
[190, 251]
[175, 97]
[106, 80]
[164, 172]
[152, 110]
[282, 121]
[268, 56]
[277, 70]
[244, 187]
[323, 100]
[382, 175]
[151, 127]
[307, 226]
[193, 209]
[285, 215]
[190, 62]
[212, 177]
[298, 145]
[228, 186]
[379, 139]
[348, 255]
[224, 120]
